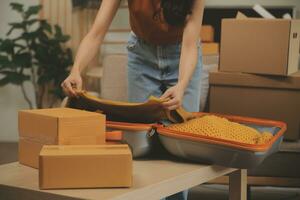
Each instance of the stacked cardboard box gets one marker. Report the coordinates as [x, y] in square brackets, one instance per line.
[209, 47]
[260, 46]
[59, 126]
[93, 166]
[68, 146]
[258, 75]
[210, 52]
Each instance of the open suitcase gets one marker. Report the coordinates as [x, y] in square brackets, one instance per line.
[141, 139]
[224, 152]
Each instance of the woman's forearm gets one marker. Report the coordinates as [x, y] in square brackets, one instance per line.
[87, 50]
[190, 40]
[89, 46]
[188, 62]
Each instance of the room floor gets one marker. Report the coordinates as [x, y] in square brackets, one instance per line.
[9, 153]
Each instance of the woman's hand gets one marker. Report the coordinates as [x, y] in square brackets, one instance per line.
[174, 97]
[72, 83]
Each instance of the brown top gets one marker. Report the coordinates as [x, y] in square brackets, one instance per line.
[146, 20]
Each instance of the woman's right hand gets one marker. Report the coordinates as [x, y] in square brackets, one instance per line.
[72, 84]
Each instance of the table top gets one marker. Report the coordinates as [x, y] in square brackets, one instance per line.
[152, 179]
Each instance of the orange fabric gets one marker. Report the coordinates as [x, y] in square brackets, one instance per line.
[220, 127]
[114, 136]
[149, 26]
[151, 111]
[233, 144]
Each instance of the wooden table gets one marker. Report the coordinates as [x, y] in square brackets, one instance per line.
[152, 179]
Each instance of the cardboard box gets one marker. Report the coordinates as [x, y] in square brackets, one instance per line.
[210, 49]
[63, 126]
[211, 60]
[90, 166]
[260, 46]
[269, 97]
[207, 33]
[29, 151]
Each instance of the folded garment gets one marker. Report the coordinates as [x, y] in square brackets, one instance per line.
[151, 111]
[222, 128]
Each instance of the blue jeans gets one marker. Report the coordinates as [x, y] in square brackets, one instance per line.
[152, 69]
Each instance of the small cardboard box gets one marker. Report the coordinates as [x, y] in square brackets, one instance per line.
[93, 166]
[210, 49]
[207, 33]
[260, 46]
[269, 97]
[63, 126]
[211, 60]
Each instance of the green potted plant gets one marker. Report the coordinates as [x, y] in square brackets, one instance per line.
[35, 51]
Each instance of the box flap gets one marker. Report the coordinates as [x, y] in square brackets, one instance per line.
[257, 19]
[241, 15]
[252, 80]
[69, 150]
[62, 112]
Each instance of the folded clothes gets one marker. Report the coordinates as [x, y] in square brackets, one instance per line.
[151, 111]
[222, 128]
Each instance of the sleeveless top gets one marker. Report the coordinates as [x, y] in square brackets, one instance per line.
[146, 21]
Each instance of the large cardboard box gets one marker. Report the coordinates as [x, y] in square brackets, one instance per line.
[62, 126]
[260, 46]
[85, 166]
[276, 98]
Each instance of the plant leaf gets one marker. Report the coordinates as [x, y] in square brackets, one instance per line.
[15, 26]
[58, 31]
[7, 46]
[22, 59]
[32, 10]
[10, 31]
[46, 26]
[4, 61]
[32, 21]
[29, 36]
[14, 77]
[17, 7]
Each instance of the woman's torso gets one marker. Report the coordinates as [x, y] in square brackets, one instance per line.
[147, 23]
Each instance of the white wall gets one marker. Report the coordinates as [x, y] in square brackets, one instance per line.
[11, 99]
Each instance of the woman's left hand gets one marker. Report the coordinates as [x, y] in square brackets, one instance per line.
[174, 96]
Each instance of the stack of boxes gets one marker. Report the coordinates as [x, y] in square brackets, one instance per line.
[259, 71]
[210, 49]
[68, 147]
[210, 59]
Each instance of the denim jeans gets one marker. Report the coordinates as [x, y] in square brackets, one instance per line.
[152, 69]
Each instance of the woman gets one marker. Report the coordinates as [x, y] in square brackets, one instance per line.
[164, 57]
